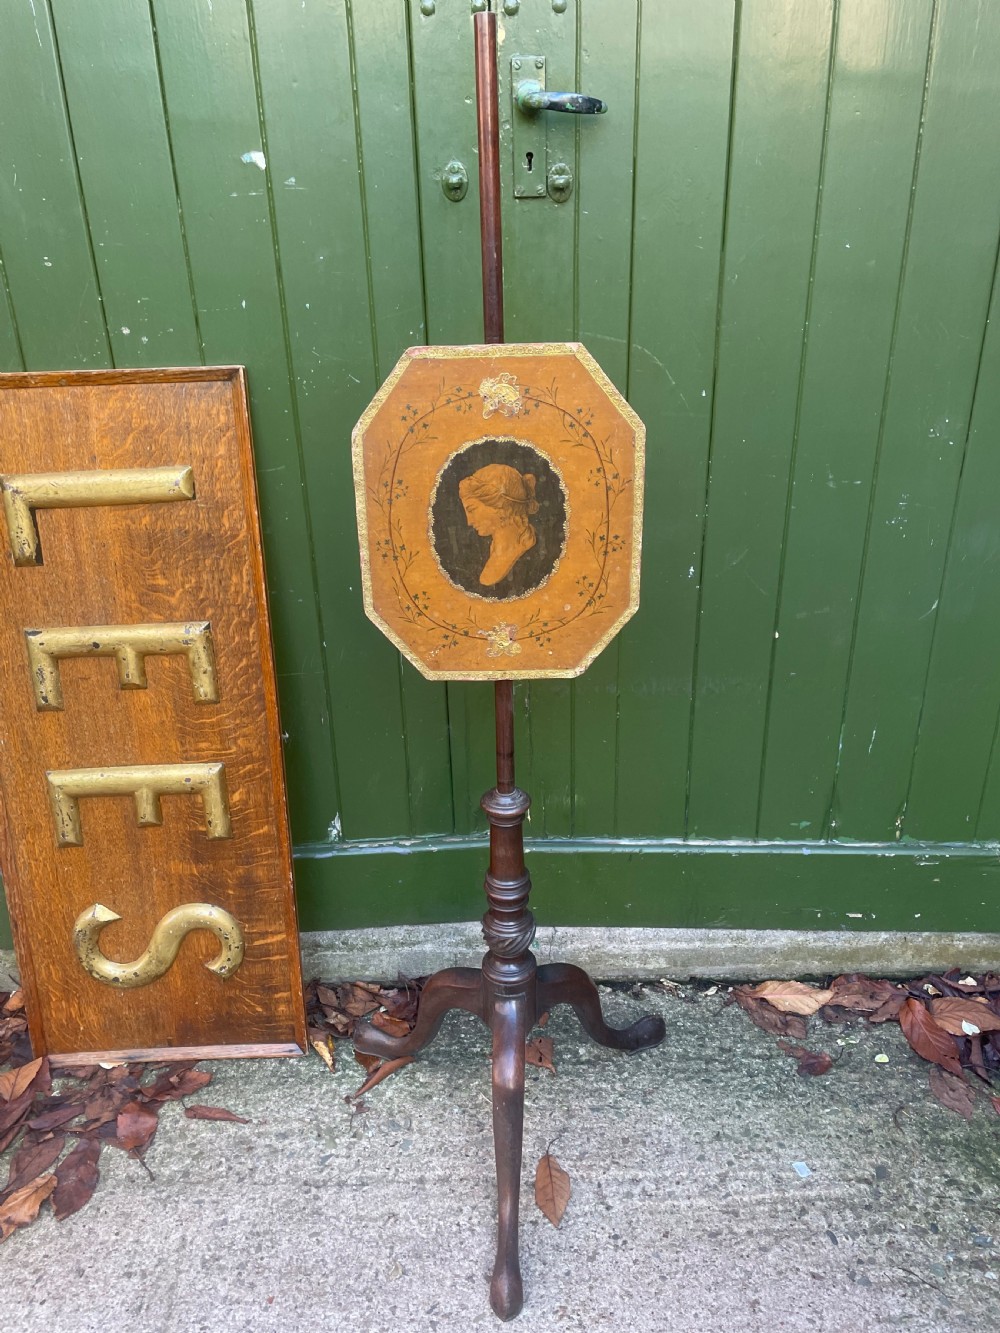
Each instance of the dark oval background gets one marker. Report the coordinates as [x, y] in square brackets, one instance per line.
[462, 553]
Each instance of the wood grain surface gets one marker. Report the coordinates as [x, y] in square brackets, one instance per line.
[194, 561]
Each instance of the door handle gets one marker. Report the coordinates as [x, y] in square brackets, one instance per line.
[530, 96]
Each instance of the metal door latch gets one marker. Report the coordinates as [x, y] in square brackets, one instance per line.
[534, 176]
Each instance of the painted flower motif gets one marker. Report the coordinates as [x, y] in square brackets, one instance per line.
[500, 394]
[501, 641]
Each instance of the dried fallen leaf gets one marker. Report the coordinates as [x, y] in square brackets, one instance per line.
[995, 1101]
[791, 997]
[769, 1019]
[861, 994]
[16, 1081]
[552, 1188]
[76, 1178]
[323, 1046]
[214, 1113]
[928, 1039]
[135, 1126]
[22, 1206]
[810, 1062]
[952, 1013]
[32, 1159]
[367, 1062]
[175, 1082]
[539, 1051]
[953, 1092]
[382, 1072]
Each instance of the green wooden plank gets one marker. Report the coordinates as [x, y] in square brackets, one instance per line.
[942, 313]
[962, 699]
[444, 113]
[608, 44]
[875, 114]
[781, 100]
[540, 305]
[383, 76]
[46, 246]
[11, 357]
[683, 127]
[112, 84]
[645, 882]
[211, 99]
[312, 152]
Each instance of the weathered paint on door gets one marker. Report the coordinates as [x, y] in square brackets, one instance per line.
[781, 244]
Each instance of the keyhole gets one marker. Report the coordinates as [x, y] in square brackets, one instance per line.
[527, 160]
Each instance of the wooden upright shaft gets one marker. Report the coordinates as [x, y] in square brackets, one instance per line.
[487, 113]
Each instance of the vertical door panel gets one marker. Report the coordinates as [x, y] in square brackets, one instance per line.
[943, 305]
[681, 152]
[47, 252]
[876, 103]
[211, 98]
[782, 71]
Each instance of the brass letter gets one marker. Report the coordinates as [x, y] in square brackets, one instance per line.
[162, 949]
[147, 783]
[24, 492]
[130, 644]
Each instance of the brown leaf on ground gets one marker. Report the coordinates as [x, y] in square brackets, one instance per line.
[135, 1126]
[14, 1002]
[995, 1102]
[11, 1116]
[323, 1046]
[57, 1116]
[769, 1019]
[214, 1113]
[382, 1072]
[367, 1062]
[396, 1027]
[539, 1051]
[952, 1091]
[810, 1062]
[791, 997]
[76, 1178]
[544, 1019]
[77, 1071]
[21, 1208]
[32, 1159]
[927, 1038]
[858, 994]
[357, 1000]
[552, 1188]
[951, 1013]
[176, 1082]
[976, 1061]
[16, 1081]
[889, 1011]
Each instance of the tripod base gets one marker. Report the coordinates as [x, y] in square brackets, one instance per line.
[509, 1000]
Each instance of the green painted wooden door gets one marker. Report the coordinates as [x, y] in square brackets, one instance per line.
[781, 244]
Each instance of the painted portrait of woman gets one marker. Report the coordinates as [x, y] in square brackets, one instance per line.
[499, 502]
[498, 518]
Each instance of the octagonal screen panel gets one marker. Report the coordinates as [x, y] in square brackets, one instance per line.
[499, 496]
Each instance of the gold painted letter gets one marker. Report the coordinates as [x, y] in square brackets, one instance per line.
[162, 949]
[130, 644]
[24, 492]
[147, 783]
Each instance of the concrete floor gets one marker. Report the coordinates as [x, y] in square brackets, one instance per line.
[686, 1213]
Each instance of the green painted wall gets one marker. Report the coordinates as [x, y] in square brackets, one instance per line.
[782, 246]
